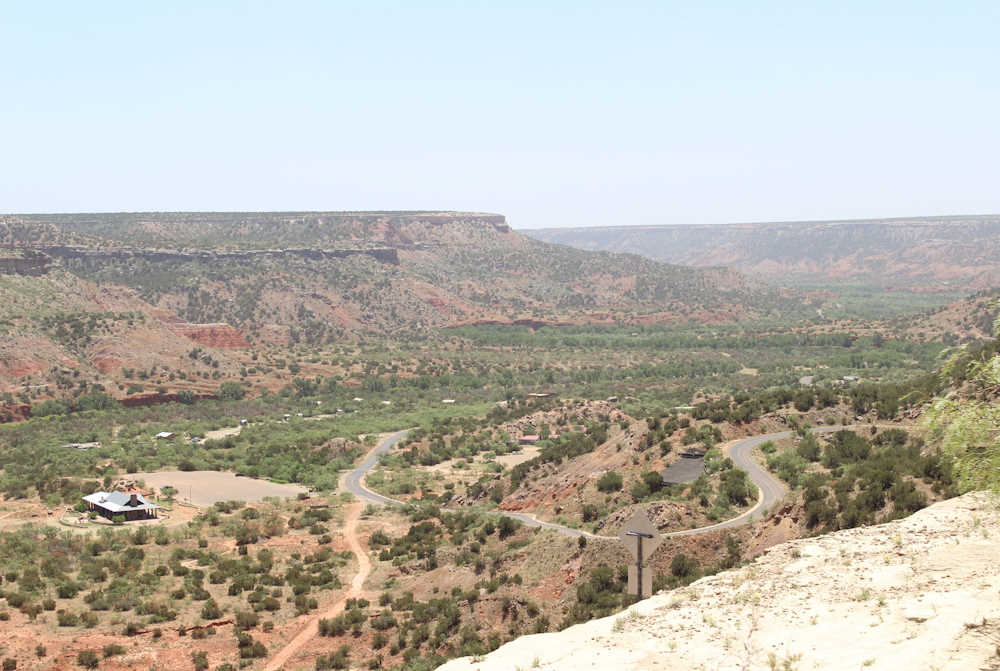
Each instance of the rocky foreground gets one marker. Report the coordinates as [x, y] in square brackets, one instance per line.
[918, 593]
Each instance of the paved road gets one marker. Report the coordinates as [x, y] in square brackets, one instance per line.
[354, 480]
[770, 488]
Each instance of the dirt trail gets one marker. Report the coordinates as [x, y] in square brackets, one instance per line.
[311, 629]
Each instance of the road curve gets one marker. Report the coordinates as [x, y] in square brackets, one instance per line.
[771, 490]
[354, 481]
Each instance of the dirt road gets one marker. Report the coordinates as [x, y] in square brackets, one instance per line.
[283, 657]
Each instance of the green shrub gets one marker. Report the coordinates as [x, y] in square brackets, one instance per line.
[88, 659]
[609, 482]
[112, 649]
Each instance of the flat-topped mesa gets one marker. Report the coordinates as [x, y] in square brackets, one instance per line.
[235, 231]
[381, 254]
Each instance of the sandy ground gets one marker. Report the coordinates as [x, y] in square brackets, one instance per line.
[203, 488]
[282, 659]
[512, 460]
[219, 434]
[920, 593]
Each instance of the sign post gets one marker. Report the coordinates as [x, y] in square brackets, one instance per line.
[641, 538]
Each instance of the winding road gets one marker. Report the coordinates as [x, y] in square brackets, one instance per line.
[741, 452]
[770, 489]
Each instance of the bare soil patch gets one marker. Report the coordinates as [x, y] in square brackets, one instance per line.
[514, 458]
[204, 488]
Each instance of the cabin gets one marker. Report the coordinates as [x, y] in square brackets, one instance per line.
[165, 435]
[529, 440]
[130, 505]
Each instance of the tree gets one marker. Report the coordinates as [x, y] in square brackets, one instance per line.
[653, 480]
[808, 448]
[640, 490]
[507, 526]
[968, 429]
[231, 391]
[736, 486]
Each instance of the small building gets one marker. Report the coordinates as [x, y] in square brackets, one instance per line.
[541, 394]
[131, 505]
[529, 440]
[448, 401]
[165, 435]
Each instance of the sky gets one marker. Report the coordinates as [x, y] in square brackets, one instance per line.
[554, 114]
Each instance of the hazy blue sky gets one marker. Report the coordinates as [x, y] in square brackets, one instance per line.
[565, 114]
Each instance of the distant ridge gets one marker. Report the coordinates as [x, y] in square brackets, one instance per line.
[938, 253]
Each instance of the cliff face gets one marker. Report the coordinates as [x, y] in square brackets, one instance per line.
[918, 593]
[24, 262]
[955, 251]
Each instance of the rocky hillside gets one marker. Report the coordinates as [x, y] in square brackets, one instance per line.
[317, 276]
[162, 282]
[921, 252]
[921, 593]
[967, 319]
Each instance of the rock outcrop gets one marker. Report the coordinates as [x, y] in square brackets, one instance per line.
[917, 593]
[219, 335]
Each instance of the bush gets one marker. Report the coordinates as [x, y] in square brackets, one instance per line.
[640, 490]
[113, 649]
[211, 610]
[683, 566]
[246, 620]
[609, 482]
[88, 659]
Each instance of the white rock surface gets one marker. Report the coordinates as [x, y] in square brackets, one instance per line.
[919, 593]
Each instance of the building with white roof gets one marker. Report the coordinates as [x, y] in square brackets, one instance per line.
[131, 505]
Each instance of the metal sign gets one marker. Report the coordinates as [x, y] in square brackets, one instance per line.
[641, 539]
[638, 533]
